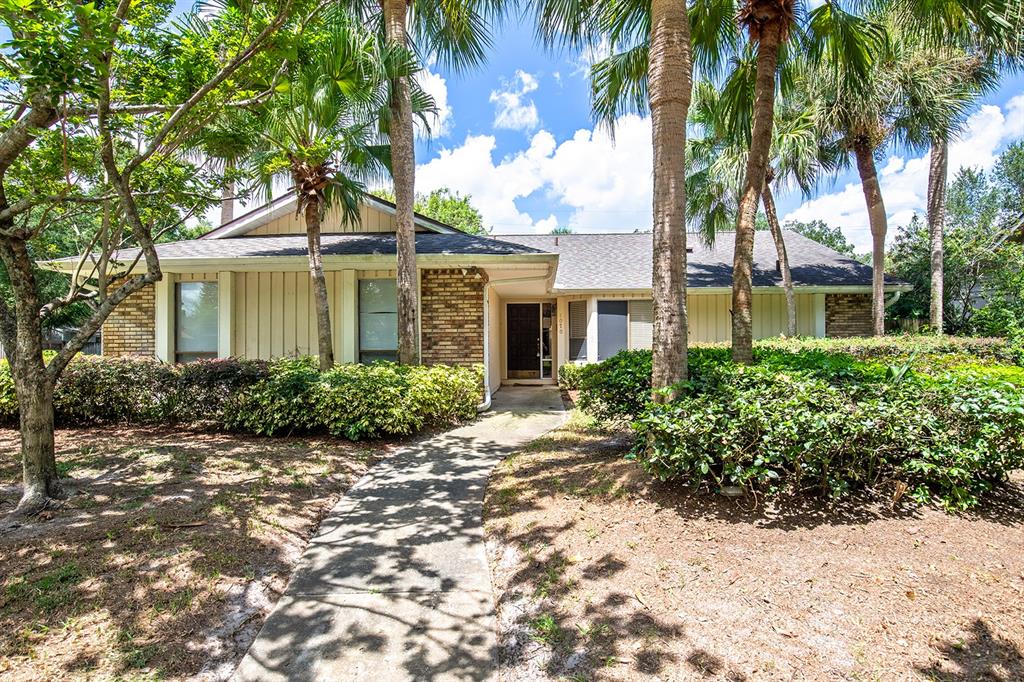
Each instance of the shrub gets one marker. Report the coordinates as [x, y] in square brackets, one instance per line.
[569, 376]
[355, 401]
[828, 416]
[617, 388]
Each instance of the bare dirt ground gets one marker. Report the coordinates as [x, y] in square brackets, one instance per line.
[168, 557]
[602, 573]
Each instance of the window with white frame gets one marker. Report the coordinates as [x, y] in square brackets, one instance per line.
[378, 320]
[195, 321]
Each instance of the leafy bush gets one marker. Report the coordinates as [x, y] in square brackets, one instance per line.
[827, 416]
[617, 388]
[355, 401]
[569, 376]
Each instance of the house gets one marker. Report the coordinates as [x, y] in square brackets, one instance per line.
[520, 304]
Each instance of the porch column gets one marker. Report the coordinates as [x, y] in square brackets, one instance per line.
[592, 329]
[348, 324]
[163, 324]
[225, 313]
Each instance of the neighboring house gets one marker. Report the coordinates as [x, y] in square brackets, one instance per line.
[522, 305]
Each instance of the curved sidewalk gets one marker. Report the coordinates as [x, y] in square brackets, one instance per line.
[395, 585]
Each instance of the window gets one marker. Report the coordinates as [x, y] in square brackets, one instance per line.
[195, 321]
[612, 330]
[378, 320]
[577, 330]
[641, 324]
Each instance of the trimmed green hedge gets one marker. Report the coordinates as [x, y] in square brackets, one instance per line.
[807, 417]
[282, 396]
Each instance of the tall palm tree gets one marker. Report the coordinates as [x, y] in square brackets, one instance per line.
[990, 31]
[227, 142]
[457, 34]
[322, 132]
[651, 68]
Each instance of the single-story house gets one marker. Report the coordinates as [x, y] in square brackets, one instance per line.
[522, 305]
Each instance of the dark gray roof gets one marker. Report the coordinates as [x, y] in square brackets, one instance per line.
[623, 261]
[350, 244]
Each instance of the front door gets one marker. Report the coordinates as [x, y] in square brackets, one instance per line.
[522, 328]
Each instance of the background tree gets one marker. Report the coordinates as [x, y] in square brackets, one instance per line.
[823, 233]
[451, 208]
[100, 99]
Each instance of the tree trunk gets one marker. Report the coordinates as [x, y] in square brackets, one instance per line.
[32, 384]
[780, 249]
[403, 171]
[227, 197]
[753, 183]
[670, 83]
[325, 344]
[936, 226]
[879, 226]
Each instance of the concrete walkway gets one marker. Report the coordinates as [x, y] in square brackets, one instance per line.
[395, 586]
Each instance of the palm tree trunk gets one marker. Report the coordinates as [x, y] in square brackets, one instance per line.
[937, 170]
[670, 77]
[753, 183]
[403, 171]
[227, 197]
[780, 249]
[32, 385]
[325, 343]
[879, 226]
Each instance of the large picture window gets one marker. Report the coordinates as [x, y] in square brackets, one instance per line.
[378, 320]
[195, 321]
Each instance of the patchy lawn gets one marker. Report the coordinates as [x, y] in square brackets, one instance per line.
[170, 555]
[602, 573]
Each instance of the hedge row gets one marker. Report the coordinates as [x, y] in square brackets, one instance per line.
[823, 421]
[282, 396]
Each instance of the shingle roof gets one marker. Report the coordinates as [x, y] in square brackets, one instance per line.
[623, 261]
[351, 244]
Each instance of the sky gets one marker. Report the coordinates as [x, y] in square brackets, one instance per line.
[517, 135]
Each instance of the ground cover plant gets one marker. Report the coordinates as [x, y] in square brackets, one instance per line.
[267, 398]
[942, 420]
[169, 554]
[602, 572]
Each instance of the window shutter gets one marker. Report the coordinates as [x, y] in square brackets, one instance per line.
[577, 330]
[641, 324]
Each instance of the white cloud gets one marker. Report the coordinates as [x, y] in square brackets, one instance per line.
[513, 110]
[440, 123]
[905, 182]
[605, 184]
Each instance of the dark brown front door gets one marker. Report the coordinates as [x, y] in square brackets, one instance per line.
[522, 327]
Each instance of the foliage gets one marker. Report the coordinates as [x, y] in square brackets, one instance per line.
[983, 285]
[284, 396]
[357, 401]
[569, 376]
[943, 415]
[448, 207]
[823, 233]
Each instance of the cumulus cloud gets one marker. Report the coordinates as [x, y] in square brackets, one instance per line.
[440, 124]
[513, 110]
[905, 181]
[605, 184]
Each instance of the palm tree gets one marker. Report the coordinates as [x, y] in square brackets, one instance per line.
[457, 34]
[650, 69]
[322, 133]
[226, 142]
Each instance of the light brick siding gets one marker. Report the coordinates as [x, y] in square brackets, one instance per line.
[847, 314]
[130, 328]
[452, 322]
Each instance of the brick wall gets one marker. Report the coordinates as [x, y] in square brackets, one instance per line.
[847, 314]
[452, 316]
[130, 329]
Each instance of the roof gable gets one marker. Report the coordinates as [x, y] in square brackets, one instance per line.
[280, 217]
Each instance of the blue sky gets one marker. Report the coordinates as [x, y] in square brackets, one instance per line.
[517, 135]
